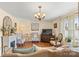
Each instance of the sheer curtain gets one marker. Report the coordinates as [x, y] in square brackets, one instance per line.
[76, 29]
[69, 26]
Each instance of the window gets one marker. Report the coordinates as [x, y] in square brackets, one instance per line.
[70, 28]
[76, 28]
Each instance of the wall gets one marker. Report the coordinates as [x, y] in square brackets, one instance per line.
[25, 26]
[56, 30]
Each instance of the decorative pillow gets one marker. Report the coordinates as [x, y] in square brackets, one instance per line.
[24, 50]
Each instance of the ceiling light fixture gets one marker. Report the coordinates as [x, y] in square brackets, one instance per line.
[39, 15]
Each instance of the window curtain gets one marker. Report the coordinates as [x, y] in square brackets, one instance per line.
[69, 26]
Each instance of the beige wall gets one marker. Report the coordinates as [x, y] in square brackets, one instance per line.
[56, 30]
[25, 26]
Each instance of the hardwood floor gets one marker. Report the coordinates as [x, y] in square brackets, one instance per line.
[43, 44]
[30, 44]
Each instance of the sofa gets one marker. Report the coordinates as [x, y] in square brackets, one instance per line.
[24, 50]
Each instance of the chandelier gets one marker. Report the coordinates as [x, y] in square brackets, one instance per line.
[39, 15]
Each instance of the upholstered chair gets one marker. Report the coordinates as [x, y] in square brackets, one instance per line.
[57, 41]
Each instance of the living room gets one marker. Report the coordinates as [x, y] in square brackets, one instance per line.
[25, 34]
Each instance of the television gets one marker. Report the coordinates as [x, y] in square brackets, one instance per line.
[47, 31]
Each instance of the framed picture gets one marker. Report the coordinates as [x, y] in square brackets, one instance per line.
[55, 25]
[35, 26]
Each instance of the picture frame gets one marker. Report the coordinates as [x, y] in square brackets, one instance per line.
[35, 26]
[55, 25]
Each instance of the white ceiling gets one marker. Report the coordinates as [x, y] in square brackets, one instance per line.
[26, 10]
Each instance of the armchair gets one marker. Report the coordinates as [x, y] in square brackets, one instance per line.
[57, 41]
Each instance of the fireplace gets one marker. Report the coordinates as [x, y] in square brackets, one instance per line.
[12, 44]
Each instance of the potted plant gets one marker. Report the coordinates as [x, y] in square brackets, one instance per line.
[68, 40]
